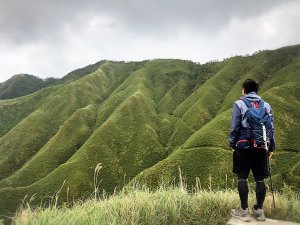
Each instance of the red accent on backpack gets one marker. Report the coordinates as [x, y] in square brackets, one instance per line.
[255, 105]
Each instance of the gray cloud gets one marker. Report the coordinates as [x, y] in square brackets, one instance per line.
[31, 20]
[50, 38]
[207, 16]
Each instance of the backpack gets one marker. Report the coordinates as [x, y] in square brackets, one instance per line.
[260, 124]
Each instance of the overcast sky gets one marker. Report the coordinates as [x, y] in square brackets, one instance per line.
[49, 38]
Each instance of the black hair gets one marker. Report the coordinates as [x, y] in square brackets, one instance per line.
[250, 85]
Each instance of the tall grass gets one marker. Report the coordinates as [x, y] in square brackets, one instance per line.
[169, 204]
[163, 206]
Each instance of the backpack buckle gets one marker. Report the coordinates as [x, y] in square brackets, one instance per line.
[254, 143]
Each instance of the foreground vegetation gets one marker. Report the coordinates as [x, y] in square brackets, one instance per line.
[165, 205]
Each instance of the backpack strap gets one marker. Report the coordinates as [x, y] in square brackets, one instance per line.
[247, 102]
[261, 103]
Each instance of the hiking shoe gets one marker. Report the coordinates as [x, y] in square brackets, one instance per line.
[258, 214]
[241, 214]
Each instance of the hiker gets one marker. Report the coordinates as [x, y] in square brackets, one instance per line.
[249, 152]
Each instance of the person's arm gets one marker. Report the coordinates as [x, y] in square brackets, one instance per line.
[235, 126]
[272, 135]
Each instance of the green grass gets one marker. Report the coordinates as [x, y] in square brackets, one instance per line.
[15, 110]
[165, 205]
[70, 137]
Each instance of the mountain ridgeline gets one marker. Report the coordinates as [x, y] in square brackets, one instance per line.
[23, 84]
[142, 121]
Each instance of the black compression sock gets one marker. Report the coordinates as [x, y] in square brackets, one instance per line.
[243, 192]
[260, 194]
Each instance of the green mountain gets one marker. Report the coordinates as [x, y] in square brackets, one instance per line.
[23, 84]
[142, 120]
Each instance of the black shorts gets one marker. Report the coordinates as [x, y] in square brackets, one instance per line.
[254, 159]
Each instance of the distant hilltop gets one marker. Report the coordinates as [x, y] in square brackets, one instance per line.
[23, 84]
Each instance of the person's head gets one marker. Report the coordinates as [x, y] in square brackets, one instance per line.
[250, 85]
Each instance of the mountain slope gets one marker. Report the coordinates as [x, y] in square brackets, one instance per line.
[142, 120]
[23, 84]
[281, 89]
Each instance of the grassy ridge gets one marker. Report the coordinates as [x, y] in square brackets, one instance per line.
[70, 137]
[14, 111]
[284, 98]
[142, 120]
[33, 132]
[42, 124]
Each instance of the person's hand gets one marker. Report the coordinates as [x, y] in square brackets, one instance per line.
[233, 147]
[270, 154]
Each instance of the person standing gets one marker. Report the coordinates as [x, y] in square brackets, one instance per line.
[248, 152]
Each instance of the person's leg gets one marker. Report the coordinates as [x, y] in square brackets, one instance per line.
[241, 168]
[260, 194]
[243, 192]
[257, 210]
[260, 172]
[243, 211]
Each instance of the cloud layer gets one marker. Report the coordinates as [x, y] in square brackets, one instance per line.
[51, 38]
